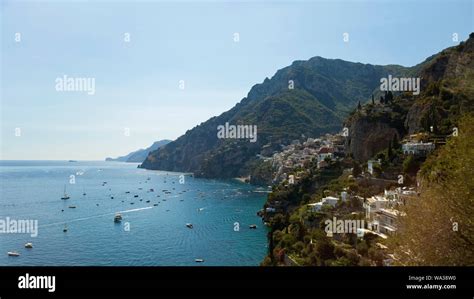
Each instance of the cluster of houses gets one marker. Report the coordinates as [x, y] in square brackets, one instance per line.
[382, 212]
[300, 154]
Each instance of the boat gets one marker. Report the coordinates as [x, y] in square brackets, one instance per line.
[65, 196]
[118, 217]
[72, 207]
[147, 201]
[155, 204]
[199, 260]
[189, 225]
[65, 228]
[253, 226]
[71, 161]
[135, 196]
[29, 245]
[13, 253]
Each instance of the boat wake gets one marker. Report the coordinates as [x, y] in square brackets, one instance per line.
[95, 216]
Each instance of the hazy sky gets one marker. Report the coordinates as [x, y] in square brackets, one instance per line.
[137, 83]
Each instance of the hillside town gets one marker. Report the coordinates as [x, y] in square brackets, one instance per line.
[380, 212]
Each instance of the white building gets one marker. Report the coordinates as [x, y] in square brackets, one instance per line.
[329, 200]
[373, 205]
[385, 221]
[371, 164]
[418, 148]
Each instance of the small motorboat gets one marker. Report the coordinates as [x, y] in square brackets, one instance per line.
[13, 253]
[152, 190]
[147, 201]
[135, 195]
[155, 205]
[65, 229]
[29, 245]
[189, 225]
[72, 207]
[127, 192]
[118, 218]
[253, 226]
[199, 260]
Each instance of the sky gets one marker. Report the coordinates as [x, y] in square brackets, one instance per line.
[163, 67]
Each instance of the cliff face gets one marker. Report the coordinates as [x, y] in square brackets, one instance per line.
[368, 137]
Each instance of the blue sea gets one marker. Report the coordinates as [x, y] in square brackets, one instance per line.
[151, 233]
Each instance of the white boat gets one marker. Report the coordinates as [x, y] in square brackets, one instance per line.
[29, 245]
[13, 253]
[65, 196]
[253, 226]
[189, 225]
[118, 217]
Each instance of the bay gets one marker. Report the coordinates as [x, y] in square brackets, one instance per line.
[151, 233]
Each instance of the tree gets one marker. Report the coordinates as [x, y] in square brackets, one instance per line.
[356, 169]
[395, 142]
[438, 229]
[410, 165]
[389, 97]
[390, 151]
[373, 101]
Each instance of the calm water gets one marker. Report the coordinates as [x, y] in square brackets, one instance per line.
[158, 234]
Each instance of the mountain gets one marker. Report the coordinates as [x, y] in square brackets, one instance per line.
[324, 92]
[443, 112]
[447, 92]
[140, 155]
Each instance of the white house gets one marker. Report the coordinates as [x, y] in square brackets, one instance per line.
[373, 205]
[316, 207]
[329, 200]
[371, 164]
[344, 196]
[418, 148]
